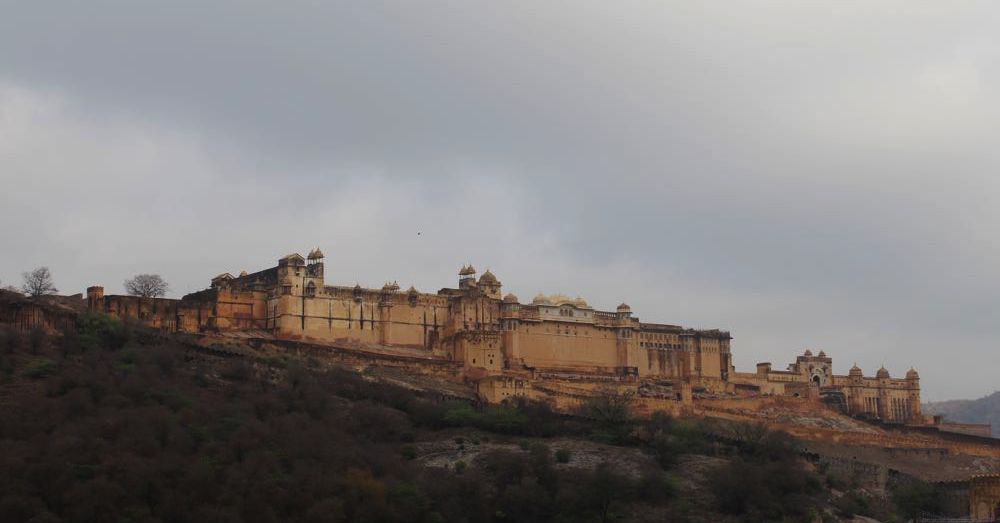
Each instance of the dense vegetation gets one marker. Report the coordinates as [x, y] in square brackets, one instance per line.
[100, 424]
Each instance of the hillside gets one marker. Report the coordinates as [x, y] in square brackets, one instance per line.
[104, 423]
[982, 410]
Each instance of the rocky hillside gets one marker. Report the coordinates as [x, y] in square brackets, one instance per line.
[107, 423]
[982, 410]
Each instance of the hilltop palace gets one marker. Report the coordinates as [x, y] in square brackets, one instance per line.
[507, 347]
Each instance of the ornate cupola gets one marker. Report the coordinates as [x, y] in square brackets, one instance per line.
[315, 263]
[624, 311]
[467, 277]
[882, 373]
[315, 256]
[490, 285]
[912, 374]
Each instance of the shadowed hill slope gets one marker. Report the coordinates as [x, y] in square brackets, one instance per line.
[106, 423]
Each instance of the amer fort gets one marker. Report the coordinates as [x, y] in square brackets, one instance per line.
[475, 343]
[506, 347]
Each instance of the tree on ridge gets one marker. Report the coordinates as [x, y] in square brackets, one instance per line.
[38, 282]
[146, 286]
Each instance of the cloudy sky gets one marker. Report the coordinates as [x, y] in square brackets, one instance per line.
[804, 174]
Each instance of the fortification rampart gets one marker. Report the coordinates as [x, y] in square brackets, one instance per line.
[47, 312]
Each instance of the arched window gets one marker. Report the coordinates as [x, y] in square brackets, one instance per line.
[311, 289]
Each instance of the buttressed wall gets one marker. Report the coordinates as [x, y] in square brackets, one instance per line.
[880, 397]
[472, 323]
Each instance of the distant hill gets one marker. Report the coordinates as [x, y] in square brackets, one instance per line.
[982, 410]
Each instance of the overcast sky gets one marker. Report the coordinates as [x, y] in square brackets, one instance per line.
[805, 174]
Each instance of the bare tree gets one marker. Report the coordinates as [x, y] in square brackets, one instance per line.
[38, 282]
[610, 407]
[146, 286]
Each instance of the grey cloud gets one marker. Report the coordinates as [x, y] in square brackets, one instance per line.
[802, 174]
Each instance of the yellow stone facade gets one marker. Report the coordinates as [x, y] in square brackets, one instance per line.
[508, 348]
[895, 400]
[984, 497]
[472, 323]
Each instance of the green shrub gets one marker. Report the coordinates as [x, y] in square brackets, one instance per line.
[839, 481]
[505, 418]
[690, 436]
[236, 370]
[37, 339]
[562, 456]
[99, 331]
[172, 399]
[10, 339]
[278, 362]
[460, 414]
[852, 504]
[6, 365]
[460, 467]
[610, 409]
[127, 361]
[40, 368]
[767, 481]
[655, 485]
[409, 451]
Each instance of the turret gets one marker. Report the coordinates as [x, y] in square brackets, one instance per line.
[315, 256]
[490, 285]
[624, 311]
[297, 269]
[315, 263]
[291, 260]
[222, 280]
[95, 298]
[467, 277]
[913, 380]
